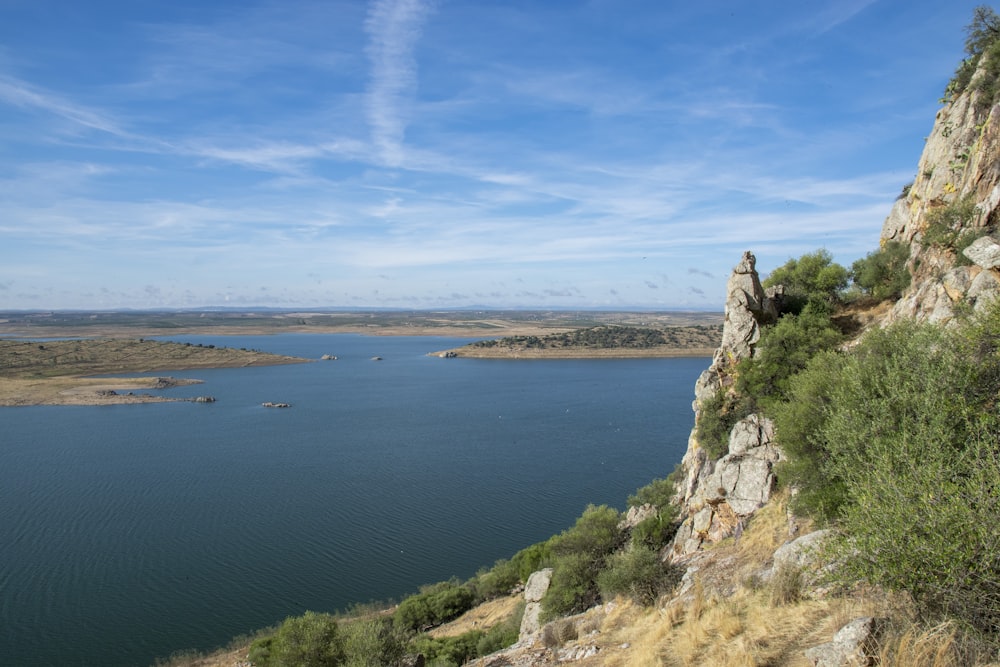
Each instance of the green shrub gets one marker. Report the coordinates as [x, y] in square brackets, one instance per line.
[495, 582]
[814, 277]
[579, 554]
[636, 573]
[435, 605]
[447, 651]
[882, 274]
[716, 418]
[982, 36]
[373, 642]
[783, 350]
[655, 532]
[914, 434]
[310, 640]
[531, 559]
[947, 224]
[799, 423]
[658, 493]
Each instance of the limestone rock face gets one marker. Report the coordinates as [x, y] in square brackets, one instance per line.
[960, 161]
[730, 489]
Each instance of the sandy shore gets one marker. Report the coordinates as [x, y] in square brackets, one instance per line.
[86, 391]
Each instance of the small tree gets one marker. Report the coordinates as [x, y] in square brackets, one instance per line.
[814, 277]
[882, 274]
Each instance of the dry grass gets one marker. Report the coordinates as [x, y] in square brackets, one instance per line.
[483, 617]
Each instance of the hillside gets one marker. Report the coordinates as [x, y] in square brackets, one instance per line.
[608, 341]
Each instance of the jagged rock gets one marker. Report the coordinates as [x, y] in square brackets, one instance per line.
[744, 304]
[747, 307]
[534, 591]
[984, 289]
[636, 515]
[802, 552]
[576, 653]
[854, 645]
[985, 252]
[895, 224]
[538, 584]
[956, 282]
[750, 433]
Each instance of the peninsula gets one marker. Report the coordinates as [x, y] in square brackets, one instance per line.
[58, 372]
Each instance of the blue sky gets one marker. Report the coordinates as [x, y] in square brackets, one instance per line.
[448, 153]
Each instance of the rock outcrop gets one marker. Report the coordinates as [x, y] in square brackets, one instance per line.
[715, 496]
[854, 645]
[534, 591]
[958, 172]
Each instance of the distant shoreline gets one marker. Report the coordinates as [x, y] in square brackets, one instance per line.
[580, 353]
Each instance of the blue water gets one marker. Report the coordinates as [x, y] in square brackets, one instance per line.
[128, 532]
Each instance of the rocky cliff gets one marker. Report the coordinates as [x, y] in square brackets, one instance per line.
[948, 218]
[954, 200]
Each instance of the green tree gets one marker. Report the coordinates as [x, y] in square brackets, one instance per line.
[882, 274]
[812, 278]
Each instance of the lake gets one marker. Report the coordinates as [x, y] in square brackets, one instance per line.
[128, 532]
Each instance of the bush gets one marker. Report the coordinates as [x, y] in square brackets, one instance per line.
[656, 531]
[637, 573]
[882, 274]
[310, 640]
[437, 604]
[799, 426]
[947, 224]
[531, 559]
[716, 418]
[914, 434]
[657, 493]
[785, 349]
[373, 642]
[814, 277]
[982, 36]
[579, 554]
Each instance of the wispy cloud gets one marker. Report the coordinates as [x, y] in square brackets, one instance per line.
[18, 93]
[393, 27]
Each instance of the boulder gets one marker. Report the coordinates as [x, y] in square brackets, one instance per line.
[984, 252]
[534, 591]
[984, 289]
[854, 645]
[801, 553]
[636, 515]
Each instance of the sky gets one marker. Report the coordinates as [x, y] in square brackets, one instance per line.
[437, 154]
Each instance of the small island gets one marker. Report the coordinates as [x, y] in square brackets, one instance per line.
[60, 372]
[606, 341]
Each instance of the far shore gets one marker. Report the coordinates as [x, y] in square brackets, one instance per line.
[574, 353]
[62, 372]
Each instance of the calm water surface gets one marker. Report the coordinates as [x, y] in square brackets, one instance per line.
[129, 532]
